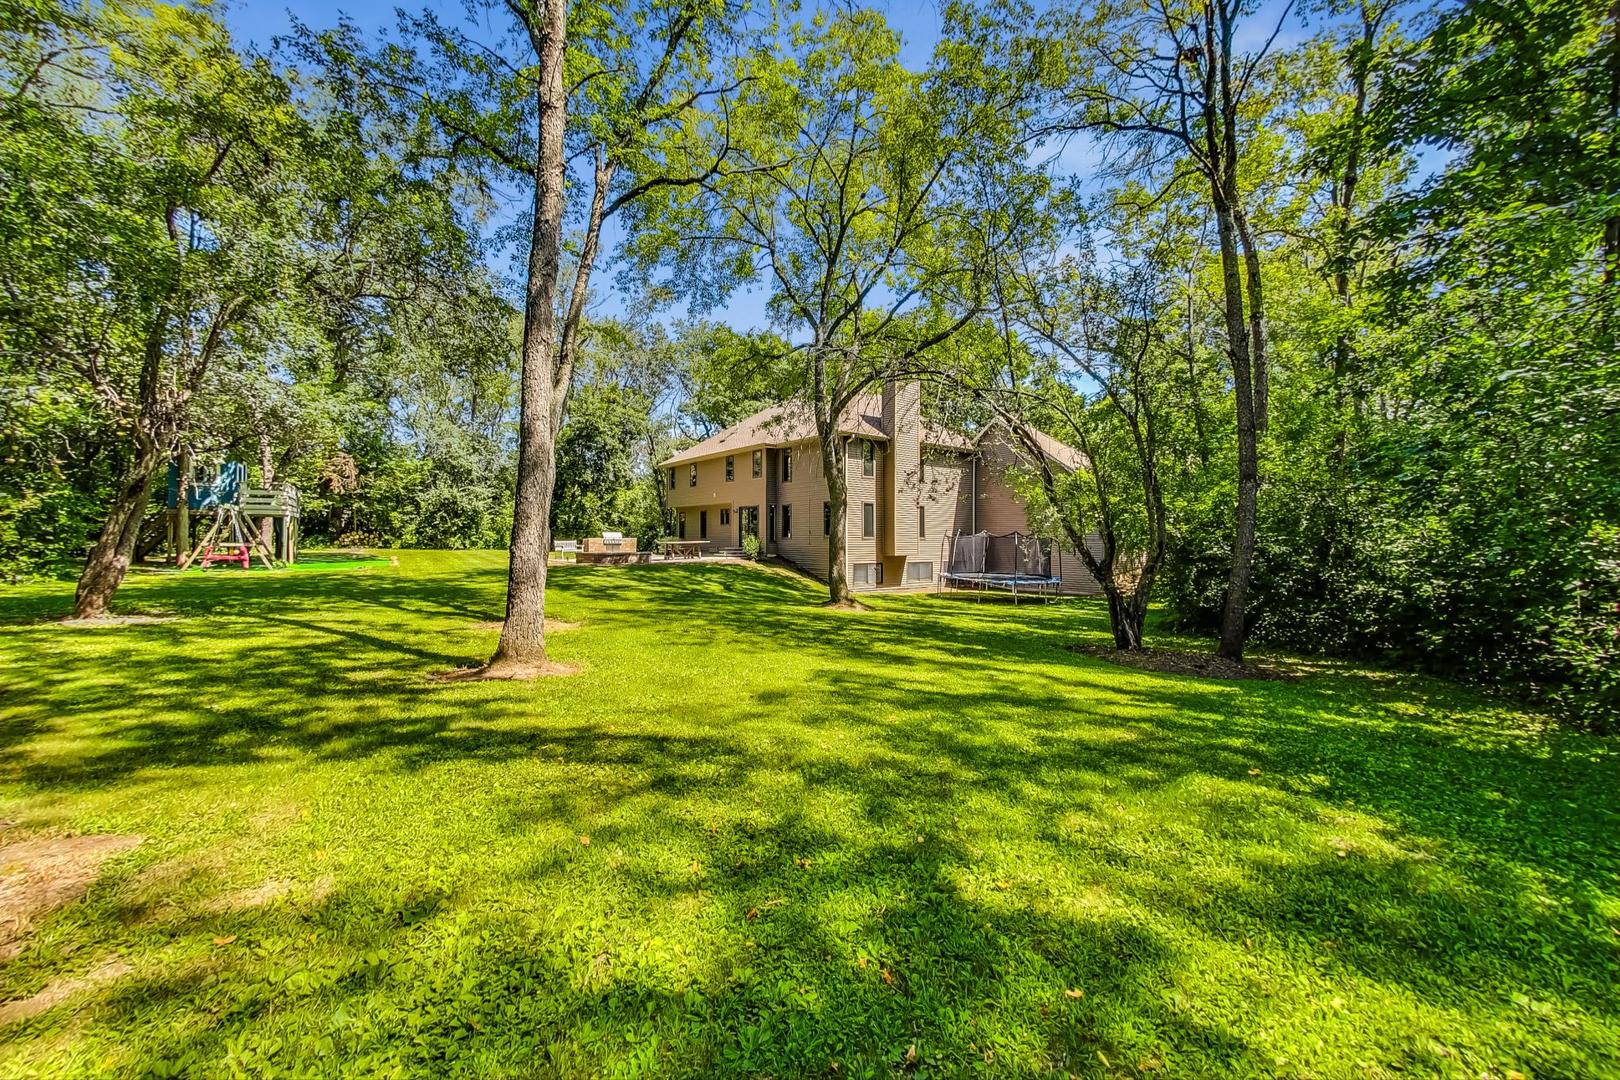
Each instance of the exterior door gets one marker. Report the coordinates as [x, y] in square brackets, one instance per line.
[703, 524]
[747, 523]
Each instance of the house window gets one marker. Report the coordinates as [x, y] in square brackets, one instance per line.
[787, 465]
[703, 524]
[691, 476]
[866, 573]
[868, 519]
[672, 479]
[826, 519]
[922, 522]
[725, 517]
[683, 524]
[868, 457]
[919, 571]
[770, 521]
[787, 521]
[731, 468]
[758, 459]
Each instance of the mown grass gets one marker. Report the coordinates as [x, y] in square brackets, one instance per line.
[922, 839]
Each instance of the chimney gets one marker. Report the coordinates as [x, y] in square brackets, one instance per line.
[902, 473]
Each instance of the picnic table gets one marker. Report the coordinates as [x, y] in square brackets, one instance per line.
[683, 549]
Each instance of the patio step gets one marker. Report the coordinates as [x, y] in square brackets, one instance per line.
[730, 552]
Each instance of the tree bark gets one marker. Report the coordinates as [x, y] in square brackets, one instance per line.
[1127, 613]
[182, 509]
[833, 464]
[110, 558]
[1233, 618]
[1220, 125]
[267, 477]
[522, 647]
[1233, 628]
[1258, 362]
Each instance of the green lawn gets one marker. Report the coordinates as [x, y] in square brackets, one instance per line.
[924, 839]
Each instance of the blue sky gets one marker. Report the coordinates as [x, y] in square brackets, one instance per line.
[918, 22]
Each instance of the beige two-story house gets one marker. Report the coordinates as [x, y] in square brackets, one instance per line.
[911, 485]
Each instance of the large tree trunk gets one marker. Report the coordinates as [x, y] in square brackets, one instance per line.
[1233, 626]
[522, 648]
[1126, 616]
[267, 477]
[1221, 140]
[1259, 364]
[833, 465]
[1233, 629]
[110, 558]
[182, 509]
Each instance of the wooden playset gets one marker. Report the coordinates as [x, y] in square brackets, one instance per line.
[243, 521]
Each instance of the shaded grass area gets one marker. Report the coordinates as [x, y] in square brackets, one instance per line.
[759, 837]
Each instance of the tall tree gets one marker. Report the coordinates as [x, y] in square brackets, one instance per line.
[193, 165]
[1085, 354]
[1169, 88]
[847, 199]
[609, 83]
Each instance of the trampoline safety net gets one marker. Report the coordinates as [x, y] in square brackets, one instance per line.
[999, 560]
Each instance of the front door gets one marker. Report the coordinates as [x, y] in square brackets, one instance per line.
[747, 523]
[703, 524]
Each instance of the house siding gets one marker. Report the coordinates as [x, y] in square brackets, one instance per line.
[959, 490]
[807, 547]
[863, 489]
[714, 493]
[1000, 510]
[946, 495]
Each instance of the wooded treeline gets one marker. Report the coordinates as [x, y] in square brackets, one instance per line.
[1327, 296]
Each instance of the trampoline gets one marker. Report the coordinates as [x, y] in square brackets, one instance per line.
[1017, 563]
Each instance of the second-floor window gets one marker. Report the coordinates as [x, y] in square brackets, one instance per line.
[787, 465]
[922, 521]
[868, 458]
[691, 476]
[672, 479]
[757, 459]
[826, 519]
[731, 469]
[868, 519]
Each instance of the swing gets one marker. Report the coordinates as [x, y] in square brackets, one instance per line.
[237, 550]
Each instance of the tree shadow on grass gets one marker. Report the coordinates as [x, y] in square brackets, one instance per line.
[1384, 837]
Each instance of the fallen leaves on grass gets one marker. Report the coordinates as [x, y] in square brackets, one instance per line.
[1176, 662]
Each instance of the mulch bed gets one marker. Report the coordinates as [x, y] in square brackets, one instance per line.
[1175, 662]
